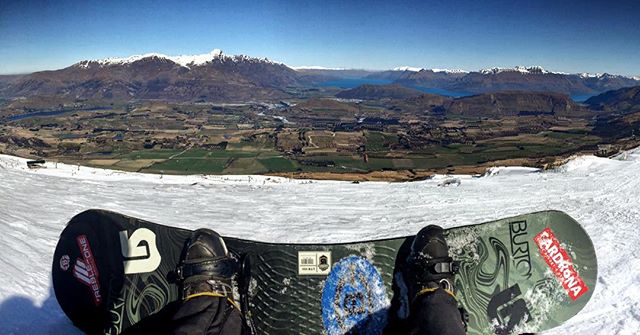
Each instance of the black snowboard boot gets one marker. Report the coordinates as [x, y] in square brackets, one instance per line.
[429, 264]
[207, 268]
[429, 267]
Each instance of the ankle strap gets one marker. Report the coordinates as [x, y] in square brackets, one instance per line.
[224, 267]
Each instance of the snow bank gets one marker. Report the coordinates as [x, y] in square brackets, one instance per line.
[602, 194]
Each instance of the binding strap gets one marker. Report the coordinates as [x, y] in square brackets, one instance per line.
[224, 267]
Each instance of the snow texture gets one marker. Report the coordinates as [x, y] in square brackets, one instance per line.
[521, 69]
[602, 194]
[450, 70]
[408, 68]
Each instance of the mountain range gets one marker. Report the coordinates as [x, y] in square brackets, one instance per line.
[218, 77]
[519, 78]
[213, 76]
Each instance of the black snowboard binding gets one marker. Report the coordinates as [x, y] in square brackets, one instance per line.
[207, 267]
[429, 266]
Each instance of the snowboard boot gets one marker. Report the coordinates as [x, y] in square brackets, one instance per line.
[430, 268]
[207, 268]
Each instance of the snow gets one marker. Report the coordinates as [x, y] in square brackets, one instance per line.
[602, 194]
[407, 68]
[450, 70]
[521, 69]
[586, 75]
[418, 69]
[590, 75]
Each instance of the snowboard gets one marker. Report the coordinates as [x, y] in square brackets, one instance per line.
[516, 275]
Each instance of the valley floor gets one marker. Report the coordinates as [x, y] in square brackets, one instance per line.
[602, 194]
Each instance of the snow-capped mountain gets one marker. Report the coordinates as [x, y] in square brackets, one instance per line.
[212, 76]
[216, 55]
[457, 71]
[418, 69]
[519, 69]
[524, 78]
[605, 75]
[407, 68]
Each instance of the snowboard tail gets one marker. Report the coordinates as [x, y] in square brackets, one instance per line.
[522, 274]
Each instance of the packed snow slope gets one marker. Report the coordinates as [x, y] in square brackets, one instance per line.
[602, 194]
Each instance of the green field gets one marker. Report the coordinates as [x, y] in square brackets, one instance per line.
[258, 155]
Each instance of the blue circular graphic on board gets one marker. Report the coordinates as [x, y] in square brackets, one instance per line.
[354, 298]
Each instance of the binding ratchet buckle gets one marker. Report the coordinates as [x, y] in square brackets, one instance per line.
[448, 266]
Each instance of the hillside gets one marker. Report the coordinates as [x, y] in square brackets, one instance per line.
[515, 103]
[624, 100]
[375, 92]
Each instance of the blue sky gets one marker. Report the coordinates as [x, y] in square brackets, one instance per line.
[571, 36]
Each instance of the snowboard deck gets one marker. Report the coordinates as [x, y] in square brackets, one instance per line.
[522, 274]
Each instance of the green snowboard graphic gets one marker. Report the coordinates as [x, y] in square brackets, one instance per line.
[517, 275]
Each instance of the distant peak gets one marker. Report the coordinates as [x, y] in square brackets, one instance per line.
[450, 70]
[418, 69]
[589, 75]
[520, 69]
[407, 68]
[182, 60]
[605, 76]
